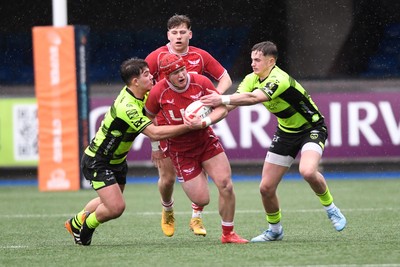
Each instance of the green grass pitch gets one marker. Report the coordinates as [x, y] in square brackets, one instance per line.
[32, 232]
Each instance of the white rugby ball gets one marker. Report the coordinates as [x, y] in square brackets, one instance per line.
[197, 108]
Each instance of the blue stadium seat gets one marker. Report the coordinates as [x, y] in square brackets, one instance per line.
[222, 43]
[382, 65]
[392, 30]
[386, 62]
[390, 46]
[107, 50]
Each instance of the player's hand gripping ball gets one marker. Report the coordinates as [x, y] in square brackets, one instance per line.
[197, 108]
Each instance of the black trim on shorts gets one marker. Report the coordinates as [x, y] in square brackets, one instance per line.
[290, 144]
[95, 169]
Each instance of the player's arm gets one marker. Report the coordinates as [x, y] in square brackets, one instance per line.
[157, 155]
[156, 133]
[217, 71]
[224, 83]
[242, 99]
[143, 124]
[160, 132]
[218, 114]
[215, 116]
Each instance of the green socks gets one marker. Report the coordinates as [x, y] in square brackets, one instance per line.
[274, 218]
[92, 221]
[326, 198]
[77, 222]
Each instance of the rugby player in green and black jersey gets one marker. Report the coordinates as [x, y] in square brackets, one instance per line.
[104, 161]
[301, 128]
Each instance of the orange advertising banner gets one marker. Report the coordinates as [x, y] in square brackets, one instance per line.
[56, 93]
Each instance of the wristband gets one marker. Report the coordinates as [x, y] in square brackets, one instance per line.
[225, 99]
[155, 146]
[205, 122]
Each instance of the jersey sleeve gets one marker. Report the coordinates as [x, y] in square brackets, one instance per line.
[212, 66]
[133, 115]
[209, 85]
[275, 85]
[272, 87]
[152, 106]
[153, 60]
[204, 82]
[248, 84]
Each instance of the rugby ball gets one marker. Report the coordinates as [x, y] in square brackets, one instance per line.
[197, 108]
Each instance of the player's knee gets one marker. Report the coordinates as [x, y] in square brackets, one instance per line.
[201, 197]
[202, 202]
[167, 179]
[267, 189]
[167, 175]
[307, 173]
[226, 185]
[117, 209]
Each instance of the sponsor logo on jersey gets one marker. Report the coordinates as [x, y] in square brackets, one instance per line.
[138, 122]
[275, 139]
[314, 134]
[270, 88]
[132, 113]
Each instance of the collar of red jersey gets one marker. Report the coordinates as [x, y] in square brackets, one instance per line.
[172, 51]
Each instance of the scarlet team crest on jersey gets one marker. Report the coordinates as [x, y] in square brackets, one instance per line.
[194, 62]
[190, 170]
[196, 96]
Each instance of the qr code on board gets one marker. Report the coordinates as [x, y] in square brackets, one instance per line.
[25, 131]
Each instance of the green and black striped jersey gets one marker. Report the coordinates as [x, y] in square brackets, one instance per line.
[122, 123]
[289, 101]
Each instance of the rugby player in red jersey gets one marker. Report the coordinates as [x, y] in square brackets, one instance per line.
[197, 61]
[198, 154]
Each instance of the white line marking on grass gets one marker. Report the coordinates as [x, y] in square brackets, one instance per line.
[12, 247]
[153, 213]
[347, 265]
[258, 211]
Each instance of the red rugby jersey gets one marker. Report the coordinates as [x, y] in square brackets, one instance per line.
[169, 102]
[196, 60]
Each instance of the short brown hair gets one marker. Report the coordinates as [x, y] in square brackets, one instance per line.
[132, 68]
[268, 48]
[177, 20]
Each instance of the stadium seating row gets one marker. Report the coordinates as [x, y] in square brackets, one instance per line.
[386, 62]
[108, 49]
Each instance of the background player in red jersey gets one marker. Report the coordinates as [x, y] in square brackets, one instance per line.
[199, 153]
[197, 61]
